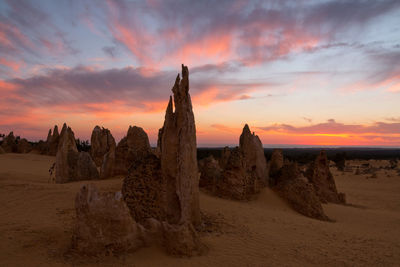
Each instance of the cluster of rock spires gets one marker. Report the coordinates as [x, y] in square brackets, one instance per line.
[241, 172]
[159, 200]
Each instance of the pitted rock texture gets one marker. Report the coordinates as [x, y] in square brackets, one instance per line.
[236, 182]
[143, 189]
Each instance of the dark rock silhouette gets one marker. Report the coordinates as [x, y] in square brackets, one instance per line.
[275, 165]
[319, 175]
[253, 155]
[52, 141]
[298, 192]
[23, 146]
[210, 173]
[9, 144]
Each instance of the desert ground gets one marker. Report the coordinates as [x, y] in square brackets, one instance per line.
[37, 215]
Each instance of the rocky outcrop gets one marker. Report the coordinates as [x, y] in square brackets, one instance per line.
[72, 165]
[253, 155]
[275, 165]
[9, 144]
[244, 168]
[163, 187]
[210, 173]
[298, 192]
[319, 175]
[23, 146]
[103, 224]
[135, 145]
[101, 142]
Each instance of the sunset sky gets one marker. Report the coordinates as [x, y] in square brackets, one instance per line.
[298, 72]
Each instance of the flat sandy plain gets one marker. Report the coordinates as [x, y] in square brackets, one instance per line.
[37, 216]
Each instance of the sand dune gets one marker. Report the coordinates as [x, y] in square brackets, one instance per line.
[36, 219]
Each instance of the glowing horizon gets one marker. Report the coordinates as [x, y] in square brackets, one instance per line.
[322, 73]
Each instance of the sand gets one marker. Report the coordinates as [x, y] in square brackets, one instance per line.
[36, 219]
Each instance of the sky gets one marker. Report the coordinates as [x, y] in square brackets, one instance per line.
[298, 72]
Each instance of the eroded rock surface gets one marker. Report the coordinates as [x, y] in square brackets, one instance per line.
[320, 176]
[103, 223]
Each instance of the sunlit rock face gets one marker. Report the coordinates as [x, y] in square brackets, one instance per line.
[72, 165]
[135, 145]
[319, 175]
